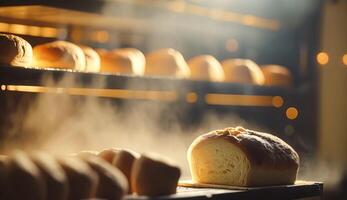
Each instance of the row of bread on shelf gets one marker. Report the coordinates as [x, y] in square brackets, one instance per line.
[109, 174]
[232, 156]
[163, 62]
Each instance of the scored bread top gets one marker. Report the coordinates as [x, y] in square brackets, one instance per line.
[262, 149]
[15, 51]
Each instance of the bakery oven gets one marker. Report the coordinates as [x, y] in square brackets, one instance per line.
[277, 39]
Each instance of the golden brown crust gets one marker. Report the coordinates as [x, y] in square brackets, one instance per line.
[15, 51]
[206, 67]
[242, 71]
[59, 54]
[124, 61]
[152, 177]
[166, 62]
[262, 149]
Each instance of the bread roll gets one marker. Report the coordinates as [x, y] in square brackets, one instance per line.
[123, 61]
[276, 75]
[122, 159]
[154, 177]
[241, 157]
[242, 71]
[93, 62]
[15, 51]
[24, 180]
[82, 179]
[54, 176]
[166, 62]
[206, 67]
[112, 183]
[59, 54]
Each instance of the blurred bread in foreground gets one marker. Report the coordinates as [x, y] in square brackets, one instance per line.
[122, 159]
[166, 62]
[123, 61]
[59, 54]
[54, 176]
[206, 67]
[112, 185]
[15, 51]
[242, 71]
[241, 157]
[276, 75]
[93, 62]
[82, 179]
[153, 176]
[23, 179]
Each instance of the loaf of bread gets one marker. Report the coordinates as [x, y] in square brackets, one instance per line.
[154, 177]
[241, 157]
[24, 180]
[15, 51]
[123, 61]
[167, 62]
[242, 71]
[93, 62]
[276, 75]
[54, 176]
[59, 54]
[83, 181]
[112, 183]
[122, 159]
[206, 67]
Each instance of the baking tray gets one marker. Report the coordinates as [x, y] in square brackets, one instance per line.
[301, 189]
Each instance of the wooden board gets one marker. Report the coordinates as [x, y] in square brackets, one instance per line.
[188, 190]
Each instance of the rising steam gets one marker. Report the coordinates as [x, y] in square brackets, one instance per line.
[63, 124]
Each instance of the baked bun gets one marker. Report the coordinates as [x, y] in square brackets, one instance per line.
[54, 176]
[93, 62]
[241, 157]
[154, 177]
[166, 62]
[242, 71]
[24, 180]
[122, 159]
[15, 51]
[59, 54]
[206, 67]
[82, 179]
[112, 183]
[123, 61]
[276, 75]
